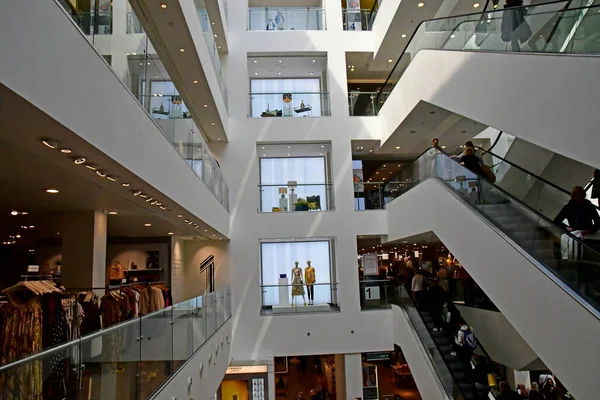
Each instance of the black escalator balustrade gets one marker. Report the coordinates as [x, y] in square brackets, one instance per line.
[522, 206]
[566, 27]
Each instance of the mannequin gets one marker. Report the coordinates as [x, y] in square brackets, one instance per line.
[310, 279]
[297, 284]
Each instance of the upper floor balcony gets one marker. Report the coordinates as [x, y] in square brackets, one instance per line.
[286, 19]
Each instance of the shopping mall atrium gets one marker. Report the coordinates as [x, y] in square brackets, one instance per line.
[300, 199]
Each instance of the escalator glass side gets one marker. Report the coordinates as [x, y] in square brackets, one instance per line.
[572, 261]
[570, 27]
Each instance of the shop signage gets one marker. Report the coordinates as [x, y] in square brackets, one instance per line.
[369, 263]
[247, 369]
[378, 356]
[33, 268]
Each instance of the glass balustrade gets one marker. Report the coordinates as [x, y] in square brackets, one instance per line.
[142, 72]
[357, 19]
[299, 298]
[292, 104]
[561, 27]
[300, 197]
[362, 103]
[131, 360]
[376, 195]
[286, 19]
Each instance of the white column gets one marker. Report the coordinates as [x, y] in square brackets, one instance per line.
[353, 369]
[84, 249]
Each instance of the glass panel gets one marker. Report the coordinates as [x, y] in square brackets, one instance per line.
[286, 19]
[133, 24]
[199, 323]
[209, 313]
[357, 20]
[305, 197]
[183, 332]
[45, 375]
[376, 294]
[299, 298]
[110, 362]
[362, 103]
[561, 27]
[156, 351]
[289, 104]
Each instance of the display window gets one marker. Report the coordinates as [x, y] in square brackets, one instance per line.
[286, 95]
[244, 383]
[298, 273]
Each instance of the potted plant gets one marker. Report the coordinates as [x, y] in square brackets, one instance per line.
[301, 205]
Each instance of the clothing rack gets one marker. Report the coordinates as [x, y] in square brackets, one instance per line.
[39, 277]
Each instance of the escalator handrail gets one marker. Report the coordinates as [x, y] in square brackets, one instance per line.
[457, 16]
[547, 182]
[429, 333]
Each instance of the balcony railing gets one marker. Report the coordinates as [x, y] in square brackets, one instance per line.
[286, 19]
[299, 298]
[362, 103]
[289, 104]
[357, 20]
[376, 195]
[128, 361]
[300, 197]
[213, 48]
[152, 87]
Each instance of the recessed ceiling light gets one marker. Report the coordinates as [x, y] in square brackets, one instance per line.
[147, 224]
[195, 81]
[31, 226]
[125, 184]
[289, 154]
[214, 235]
[420, 5]
[112, 213]
[256, 73]
[370, 151]
[149, 63]
[79, 160]
[279, 73]
[187, 221]
[452, 36]
[255, 61]
[101, 173]
[89, 166]
[18, 236]
[206, 230]
[320, 154]
[279, 61]
[137, 192]
[179, 215]
[475, 5]
[66, 151]
[162, 207]
[212, 123]
[149, 199]
[314, 60]
[404, 35]
[155, 202]
[215, 35]
[390, 60]
[181, 50]
[397, 147]
[111, 178]
[53, 144]
[52, 191]
[141, 63]
[205, 105]
[384, 165]
[14, 213]
[377, 173]
[163, 5]
[289, 147]
[169, 233]
[218, 138]
[443, 147]
[312, 73]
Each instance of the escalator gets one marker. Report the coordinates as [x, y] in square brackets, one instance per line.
[504, 235]
[471, 66]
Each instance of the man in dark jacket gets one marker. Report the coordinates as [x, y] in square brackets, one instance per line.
[506, 393]
[437, 298]
[581, 215]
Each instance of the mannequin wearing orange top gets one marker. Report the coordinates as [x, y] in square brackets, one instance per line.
[310, 279]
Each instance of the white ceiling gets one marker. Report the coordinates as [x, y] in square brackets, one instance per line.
[293, 149]
[286, 67]
[30, 168]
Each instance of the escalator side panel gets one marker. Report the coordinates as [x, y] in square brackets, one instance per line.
[556, 326]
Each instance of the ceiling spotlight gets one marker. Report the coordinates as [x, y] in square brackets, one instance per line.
[404, 35]
[191, 222]
[14, 213]
[443, 147]
[187, 221]
[215, 35]
[79, 160]
[279, 61]
[65, 151]
[289, 147]
[475, 5]
[101, 173]
[452, 36]
[420, 5]
[314, 60]
[212, 123]
[264, 155]
[256, 73]
[149, 199]
[112, 213]
[205, 105]
[181, 50]
[18, 236]
[162, 207]
[214, 234]
[255, 61]
[179, 215]
[53, 144]
[163, 5]
[289, 154]
[125, 184]
[279, 73]
[397, 147]
[195, 81]
[147, 224]
[52, 191]
[169, 233]
[390, 60]
[137, 192]
[206, 230]
[312, 73]
[384, 165]
[89, 166]
[110, 178]
[154, 203]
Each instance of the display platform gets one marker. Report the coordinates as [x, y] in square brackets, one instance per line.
[301, 308]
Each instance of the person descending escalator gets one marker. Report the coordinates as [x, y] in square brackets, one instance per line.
[481, 379]
[506, 393]
[465, 344]
[472, 162]
[437, 298]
